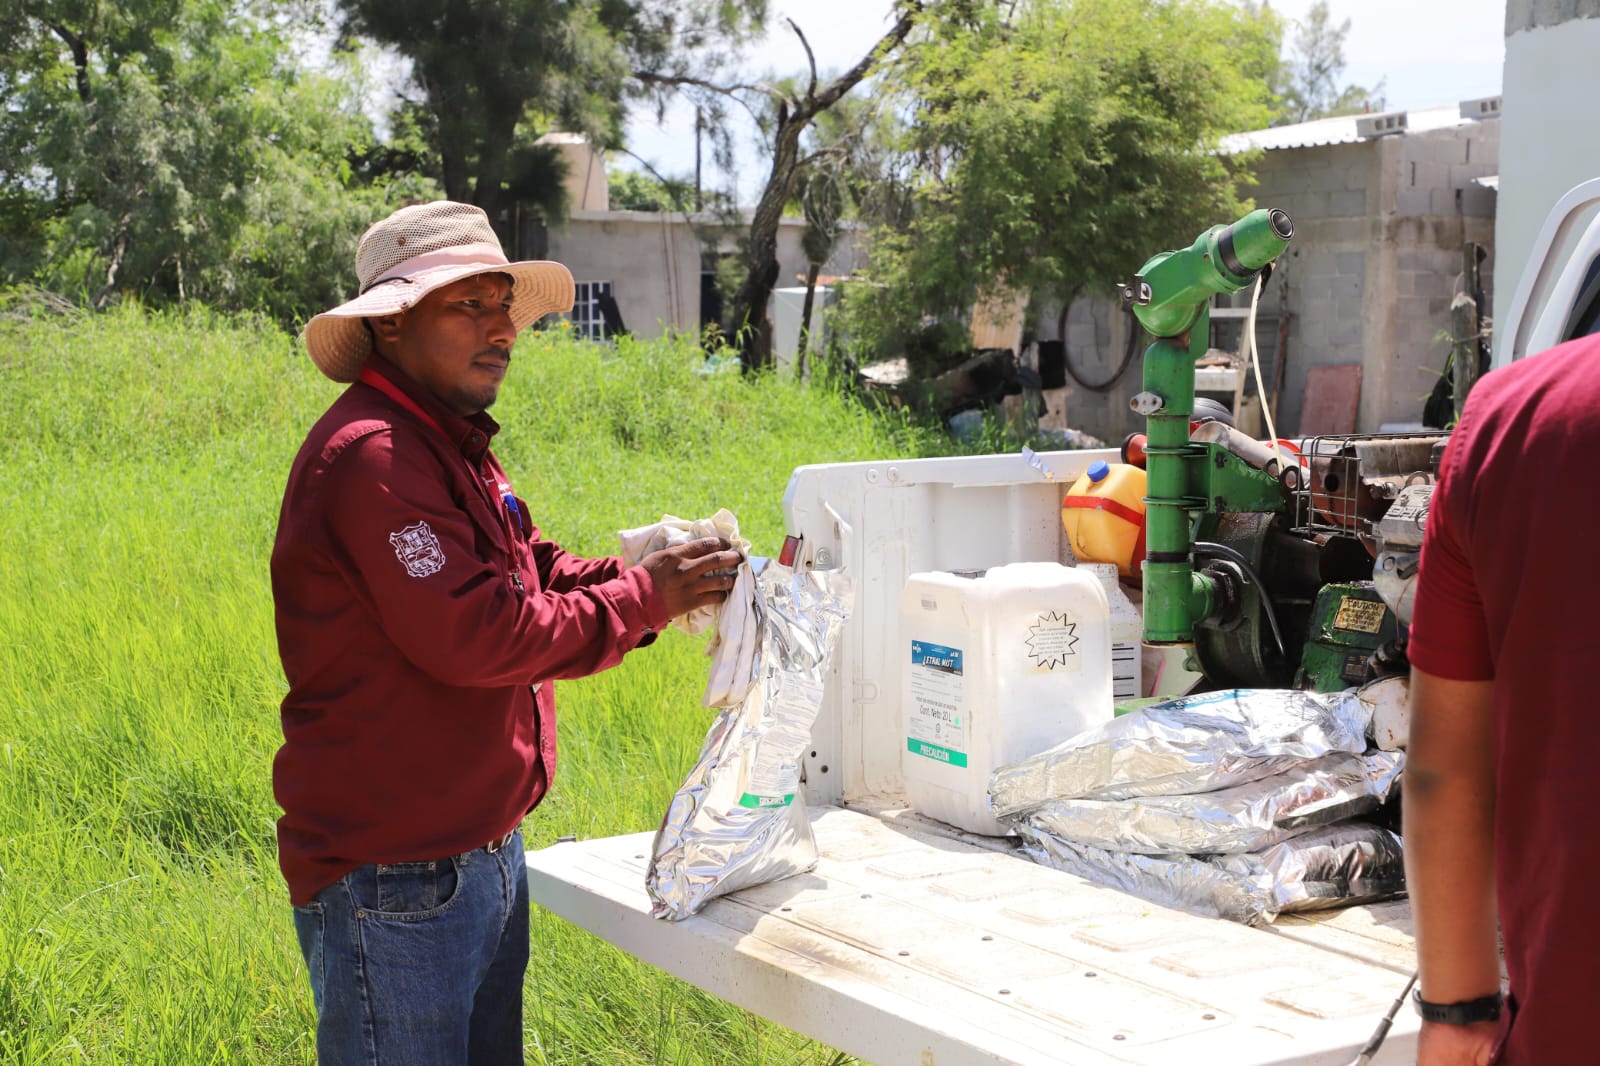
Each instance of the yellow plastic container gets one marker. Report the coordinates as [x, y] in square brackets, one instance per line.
[1103, 514]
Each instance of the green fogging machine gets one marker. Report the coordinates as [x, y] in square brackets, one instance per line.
[1266, 566]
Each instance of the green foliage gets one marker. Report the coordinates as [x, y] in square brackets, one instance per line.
[1058, 145]
[483, 67]
[168, 150]
[1260, 56]
[142, 916]
[494, 75]
[857, 140]
[634, 190]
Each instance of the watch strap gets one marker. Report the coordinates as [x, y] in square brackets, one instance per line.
[1466, 1012]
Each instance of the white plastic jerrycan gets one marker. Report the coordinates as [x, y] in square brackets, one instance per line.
[996, 668]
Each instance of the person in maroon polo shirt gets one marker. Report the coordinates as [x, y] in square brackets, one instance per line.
[1501, 776]
[421, 617]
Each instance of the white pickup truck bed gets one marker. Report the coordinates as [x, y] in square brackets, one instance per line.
[914, 943]
[910, 945]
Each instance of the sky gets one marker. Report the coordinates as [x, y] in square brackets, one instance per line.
[1426, 52]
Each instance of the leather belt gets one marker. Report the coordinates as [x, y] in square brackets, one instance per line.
[495, 845]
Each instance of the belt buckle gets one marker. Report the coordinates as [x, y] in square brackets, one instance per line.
[495, 845]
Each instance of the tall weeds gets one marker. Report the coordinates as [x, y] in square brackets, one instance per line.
[142, 917]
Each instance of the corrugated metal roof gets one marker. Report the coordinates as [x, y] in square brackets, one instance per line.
[1342, 130]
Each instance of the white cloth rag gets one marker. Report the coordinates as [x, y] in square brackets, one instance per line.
[733, 647]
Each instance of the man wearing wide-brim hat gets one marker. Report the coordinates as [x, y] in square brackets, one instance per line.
[421, 617]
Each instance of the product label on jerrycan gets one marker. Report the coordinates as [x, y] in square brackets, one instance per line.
[1052, 643]
[936, 727]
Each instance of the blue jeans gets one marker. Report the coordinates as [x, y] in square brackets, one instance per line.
[421, 963]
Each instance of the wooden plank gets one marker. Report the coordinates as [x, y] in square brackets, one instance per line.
[1331, 398]
[999, 318]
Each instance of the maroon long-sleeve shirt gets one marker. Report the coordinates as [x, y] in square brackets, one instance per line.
[420, 617]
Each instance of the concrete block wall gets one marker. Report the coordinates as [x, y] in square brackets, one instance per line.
[1096, 331]
[1428, 267]
[1537, 14]
[1373, 286]
[1445, 165]
[1324, 273]
[1423, 247]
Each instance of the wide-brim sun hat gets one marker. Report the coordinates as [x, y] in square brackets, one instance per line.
[413, 252]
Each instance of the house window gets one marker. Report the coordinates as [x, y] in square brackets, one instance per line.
[587, 319]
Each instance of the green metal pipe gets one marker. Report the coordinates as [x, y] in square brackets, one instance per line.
[1223, 259]
[1172, 298]
[1175, 596]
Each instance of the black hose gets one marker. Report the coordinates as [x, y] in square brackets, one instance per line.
[1204, 547]
[1134, 332]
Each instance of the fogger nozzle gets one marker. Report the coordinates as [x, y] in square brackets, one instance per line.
[1174, 287]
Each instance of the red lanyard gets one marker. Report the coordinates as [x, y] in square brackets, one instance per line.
[371, 377]
[507, 511]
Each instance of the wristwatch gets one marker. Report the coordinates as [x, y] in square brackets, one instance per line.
[1466, 1012]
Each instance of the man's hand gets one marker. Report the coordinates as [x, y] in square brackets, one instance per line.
[1455, 1045]
[696, 574]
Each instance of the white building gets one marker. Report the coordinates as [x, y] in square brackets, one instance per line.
[659, 266]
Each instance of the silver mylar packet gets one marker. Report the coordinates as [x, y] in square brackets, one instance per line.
[1247, 817]
[739, 819]
[1187, 745]
[1334, 866]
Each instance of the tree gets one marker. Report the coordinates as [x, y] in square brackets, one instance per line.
[634, 190]
[847, 179]
[492, 75]
[1264, 61]
[1310, 75]
[822, 204]
[169, 149]
[1056, 147]
[638, 190]
[792, 111]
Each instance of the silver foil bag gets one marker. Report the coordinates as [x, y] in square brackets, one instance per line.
[1248, 817]
[1187, 745]
[739, 819]
[1335, 866]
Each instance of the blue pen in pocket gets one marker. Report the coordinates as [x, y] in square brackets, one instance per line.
[514, 511]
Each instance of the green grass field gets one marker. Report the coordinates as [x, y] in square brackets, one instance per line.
[142, 917]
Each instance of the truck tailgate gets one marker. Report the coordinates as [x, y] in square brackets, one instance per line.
[908, 946]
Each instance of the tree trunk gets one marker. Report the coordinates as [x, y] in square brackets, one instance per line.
[487, 193]
[80, 58]
[119, 249]
[805, 321]
[453, 137]
[752, 331]
[453, 172]
[1464, 329]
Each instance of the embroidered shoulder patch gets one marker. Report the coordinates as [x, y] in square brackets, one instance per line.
[418, 548]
